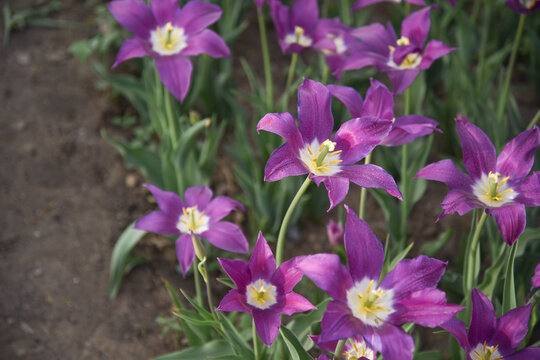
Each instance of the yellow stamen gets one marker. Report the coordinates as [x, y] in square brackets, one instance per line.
[335, 162]
[335, 153]
[310, 152]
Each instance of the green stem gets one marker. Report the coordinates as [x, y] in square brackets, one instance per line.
[290, 75]
[287, 218]
[255, 341]
[509, 292]
[483, 47]
[345, 12]
[404, 175]
[339, 349]
[325, 73]
[363, 192]
[209, 292]
[504, 95]
[534, 120]
[170, 118]
[266, 62]
[198, 288]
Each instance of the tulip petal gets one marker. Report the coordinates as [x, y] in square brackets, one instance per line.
[379, 102]
[512, 328]
[169, 202]
[479, 155]
[445, 171]
[221, 206]
[337, 190]
[510, 220]
[185, 253]
[296, 303]
[206, 42]
[371, 176]
[314, 111]
[517, 157]
[416, 26]
[175, 73]
[288, 274]
[339, 323]
[483, 319]
[282, 124]
[238, 271]
[408, 128]
[529, 190]
[402, 79]
[392, 342]
[305, 13]
[458, 330]
[233, 301]
[158, 222]
[198, 196]
[164, 10]
[227, 236]
[525, 354]
[349, 97]
[135, 16]
[262, 263]
[283, 162]
[197, 15]
[434, 50]
[458, 201]
[267, 324]
[134, 47]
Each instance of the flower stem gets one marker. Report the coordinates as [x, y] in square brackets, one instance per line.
[363, 192]
[404, 176]
[209, 291]
[345, 12]
[198, 288]
[255, 341]
[170, 118]
[509, 292]
[287, 218]
[290, 75]
[534, 120]
[266, 62]
[325, 73]
[339, 349]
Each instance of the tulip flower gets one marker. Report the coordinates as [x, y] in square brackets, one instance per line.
[523, 6]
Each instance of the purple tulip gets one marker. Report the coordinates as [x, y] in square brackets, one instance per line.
[379, 103]
[169, 35]
[363, 3]
[263, 291]
[402, 59]
[334, 230]
[492, 338]
[199, 215]
[296, 26]
[536, 277]
[365, 307]
[498, 184]
[523, 6]
[310, 150]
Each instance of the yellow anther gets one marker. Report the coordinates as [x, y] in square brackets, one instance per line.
[335, 162]
[185, 212]
[309, 150]
[335, 153]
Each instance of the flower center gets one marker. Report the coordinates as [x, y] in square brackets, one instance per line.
[371, 305]
[339, 45]
[298, 37]
[493, 191]
[528, 3]
[483, 352]
[168, 39]
[410, 62]
[321, 159]
[355, 350]
[192, 221]
[261, 294]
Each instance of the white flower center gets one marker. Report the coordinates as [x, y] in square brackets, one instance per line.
[261, 294]
[493, 191]
[321, 159]
[168, 39]
[410, 62]
[339, 45]
[192, 221]
[371, 305]
[483, 352]
[298, 37]
[355, 350]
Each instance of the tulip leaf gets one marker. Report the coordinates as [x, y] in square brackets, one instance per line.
[209, 350]
[296, 350]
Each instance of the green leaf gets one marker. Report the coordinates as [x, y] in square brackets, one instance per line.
[392, 264]
[195, 318]
[238, 341]
[211, 349]
[227, 282]
[121, 262]
[303, 323]
[296, 350]
[432, 248]
[428, 355]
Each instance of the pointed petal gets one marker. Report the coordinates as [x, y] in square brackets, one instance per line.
[478, 151]
[314, 111]
[262, 263]
[158, 222]
[197, 15]
[529, 190]
[362, 58]
[517, 157]
[416, 26]
[445, 171]
[339, 323]
[408, 128]
[175, 73]
[457, 329]
[135, 16]
[206, 42]
[392, 342]
[169, 202]
[349, 97]
[227, 236]
[365, 253]
[288, 274]
[305, 13]
[233, 301]
[282, 124]
[238, 271]
[221, 206]
[134, 47]
[164, 10]
[402, 79]
[483, 319]
[198, 196]
[376, 38]
[296, 303]
[434, 50]
[412, 275]
[371, 176]
[458, 201]
[512, 328]
[267, 324]
[535, 281]
[511, 221]
[185, 253]
[283, 162]
[379, 102]
[337, 190]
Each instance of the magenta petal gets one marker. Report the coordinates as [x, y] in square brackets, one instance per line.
[206, 42]
[262, 263]
[483, 319]
[445, 171]
[283, 162]
[133, 47]
[529, 190]
[517, 157]
[416, 26]
[185, 253]
[175, 73]
[337, 190]
[158, 222]
[535, 281]
[164, 10]
[525, 354]
[460, 201]
[238, 271]
[511, 221]
[376, 39]
[379, 102]
[197, 15]
[402, 79]
[408, 128]
[339, 323]
[288, 274]
[512, 328]
[305, 13]
[135, 16]
[411, 275]
[168, 201]
[358, 4]
[227, 236]
[267, 324]
[479, 155]
[371, 176]
[434, 50]
[392, 342]
[284, 125]
[221, 206]
[314, 111]
[233, 301]
[361, 59]
[296, 303]
[198, 196]
[349, 97]
[365, 253]
[457, 329]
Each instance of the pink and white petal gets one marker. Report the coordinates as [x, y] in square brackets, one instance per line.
[408, 128]
[510, 220]
[445, 171]
[416, 26]
[458, 201]
[517, 157]
[371, 176]
[169, 202]
[458, 330]
[196, 15]
[525, 354]
[227, 236]
[284, 125]
[379, 102]
[402, 79]
[296, 303]
[262, 263]
[198, 196]
[158, 222]
[135, 16]
[365, 253]
[267, 324]
[134, 47]
[164, 10]
[339, 323]
[479, 155]
[206, 42]
[434, 50]
[412, 275]
[392, 342]
[185, 253]
[221, 206]
[233, 301]
[283, 162]
[483, 319]
[512, 328]
[337, 190]
[175, 73]
[529, 190]
[314, 111]
[238, 271]
[349, 97]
